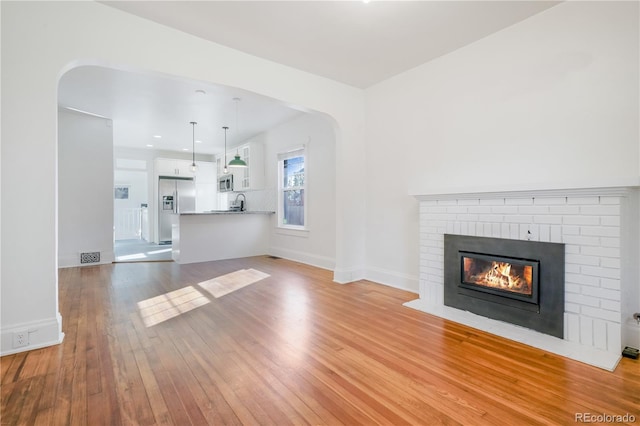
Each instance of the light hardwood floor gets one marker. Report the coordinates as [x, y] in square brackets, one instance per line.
[146, 344]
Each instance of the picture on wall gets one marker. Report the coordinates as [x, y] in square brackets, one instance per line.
[121, 192]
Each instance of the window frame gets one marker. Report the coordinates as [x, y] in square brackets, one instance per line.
[282, 156]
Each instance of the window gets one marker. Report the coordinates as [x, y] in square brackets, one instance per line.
[291, 194]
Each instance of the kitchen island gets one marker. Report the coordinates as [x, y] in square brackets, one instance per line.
[218, 235]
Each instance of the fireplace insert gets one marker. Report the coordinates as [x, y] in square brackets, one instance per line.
[500, 275]
[521, 282]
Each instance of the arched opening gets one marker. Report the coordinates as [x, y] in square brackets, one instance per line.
[119, 128]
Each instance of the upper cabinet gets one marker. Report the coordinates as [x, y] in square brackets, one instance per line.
[173, 167]
[245, 178]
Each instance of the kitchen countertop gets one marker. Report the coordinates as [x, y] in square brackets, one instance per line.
[217, 212]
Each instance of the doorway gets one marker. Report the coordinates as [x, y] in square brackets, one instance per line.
[131, 226]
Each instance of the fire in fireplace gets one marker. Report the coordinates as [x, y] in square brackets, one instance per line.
[521, 282]
[500, 275]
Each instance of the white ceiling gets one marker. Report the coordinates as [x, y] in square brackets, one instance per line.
[145, 105]
[354, 42]
[348, 41]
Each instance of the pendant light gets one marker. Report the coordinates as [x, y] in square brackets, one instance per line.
[237, 161]
[225, 171]
[194, 167]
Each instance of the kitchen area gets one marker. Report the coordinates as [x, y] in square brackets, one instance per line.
[205, 215]
[128, 191]
[152, 229]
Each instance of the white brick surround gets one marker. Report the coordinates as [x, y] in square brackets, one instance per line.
[591, 223]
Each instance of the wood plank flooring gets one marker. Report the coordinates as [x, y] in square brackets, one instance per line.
[146, 345]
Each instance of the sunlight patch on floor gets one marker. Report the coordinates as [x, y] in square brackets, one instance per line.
[168, 250]
[169, 305]
[136, 256]
[231, 282]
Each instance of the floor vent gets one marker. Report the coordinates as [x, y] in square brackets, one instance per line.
[90, 257]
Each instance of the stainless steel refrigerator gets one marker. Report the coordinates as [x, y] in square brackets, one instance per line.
[175, 195]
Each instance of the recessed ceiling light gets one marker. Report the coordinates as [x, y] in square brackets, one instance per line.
[185, 149]
[198, 141]
[149, 145]
[157, 136]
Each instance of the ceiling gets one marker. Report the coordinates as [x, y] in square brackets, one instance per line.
[144, 106]
[356, 43]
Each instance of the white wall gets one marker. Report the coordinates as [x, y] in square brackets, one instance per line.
[317, 246]
[42, 40]
[85, 187]
[138, 188]
[550, 102]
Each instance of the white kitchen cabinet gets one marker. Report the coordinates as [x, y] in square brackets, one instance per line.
[251, 177]
[219, 164]
[172, 167]
[244, 178]
[244, 174]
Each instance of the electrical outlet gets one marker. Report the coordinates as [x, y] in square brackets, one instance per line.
[20, 338]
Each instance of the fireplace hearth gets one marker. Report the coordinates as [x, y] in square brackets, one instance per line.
[520, 282]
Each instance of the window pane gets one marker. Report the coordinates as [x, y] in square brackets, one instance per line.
[293, 169]
[293, 207]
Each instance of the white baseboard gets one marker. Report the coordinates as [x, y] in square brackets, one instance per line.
[42, 333]
[348, 275]
[306, 258]
[393, 279]
[73, 259]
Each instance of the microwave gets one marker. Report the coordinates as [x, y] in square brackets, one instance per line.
[225, 183]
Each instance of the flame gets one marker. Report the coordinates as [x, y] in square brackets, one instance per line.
[496, 274]
[500, 275]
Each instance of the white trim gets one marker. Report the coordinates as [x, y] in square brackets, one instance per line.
[393, 279]
[73, 260]
[292, 232]
[622, 190]
[348, 275]
[282, 156]
[292, 152]
[322, 262]
[42, 333]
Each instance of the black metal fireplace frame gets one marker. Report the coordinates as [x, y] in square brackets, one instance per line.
[547, 316]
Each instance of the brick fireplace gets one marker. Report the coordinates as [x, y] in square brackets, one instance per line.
[596, 227]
